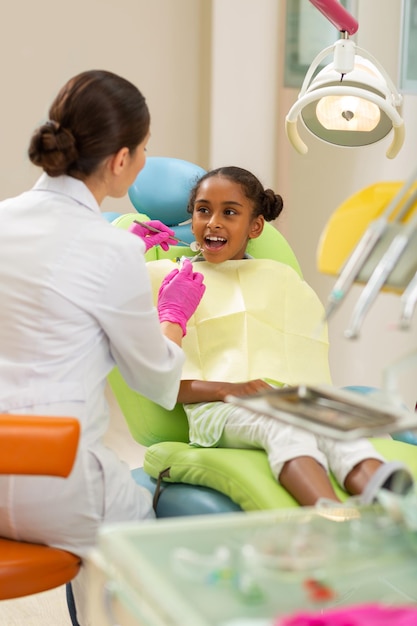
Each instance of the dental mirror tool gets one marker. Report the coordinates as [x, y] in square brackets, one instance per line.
[194, 245]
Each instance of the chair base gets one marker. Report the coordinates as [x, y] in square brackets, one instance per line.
[181, 499]
[72, 609]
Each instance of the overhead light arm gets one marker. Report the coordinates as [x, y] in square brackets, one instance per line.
[337, 15]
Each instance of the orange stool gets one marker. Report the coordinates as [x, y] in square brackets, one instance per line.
[32, 444]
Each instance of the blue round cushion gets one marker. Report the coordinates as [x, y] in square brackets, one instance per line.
[162, 188]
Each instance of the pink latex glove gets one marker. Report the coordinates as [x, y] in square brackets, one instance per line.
[179, 295]
[164, 238]
[359, 615]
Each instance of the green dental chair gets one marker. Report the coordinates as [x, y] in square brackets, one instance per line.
[187, 480]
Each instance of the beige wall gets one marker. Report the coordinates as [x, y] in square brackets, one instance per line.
[244, 88]
[160, 45]
[211, 71]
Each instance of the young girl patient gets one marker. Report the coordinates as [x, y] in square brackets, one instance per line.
[229, 207]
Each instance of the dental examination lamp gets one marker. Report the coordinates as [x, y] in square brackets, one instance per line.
[350, 102]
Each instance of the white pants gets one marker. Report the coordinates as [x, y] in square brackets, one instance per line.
[80, 584]
[283, 443]
[68, 512]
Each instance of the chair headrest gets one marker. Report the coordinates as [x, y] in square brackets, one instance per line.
[162, 188]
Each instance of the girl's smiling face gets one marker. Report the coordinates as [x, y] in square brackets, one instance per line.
[223, 220]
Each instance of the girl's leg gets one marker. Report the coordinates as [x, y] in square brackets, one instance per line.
[306, 480]
[369, 477]
[352, 462]
[360, 475]
[362, 471]
[293, 454]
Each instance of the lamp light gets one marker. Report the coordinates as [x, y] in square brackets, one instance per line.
[350, 102]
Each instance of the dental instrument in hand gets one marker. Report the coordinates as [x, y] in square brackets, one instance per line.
[194, 246]
[366, 244]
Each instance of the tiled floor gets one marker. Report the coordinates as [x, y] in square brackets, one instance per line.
[49, 608]
[43, 609]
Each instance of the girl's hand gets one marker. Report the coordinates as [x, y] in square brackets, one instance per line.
[244, 389]
[216, 391]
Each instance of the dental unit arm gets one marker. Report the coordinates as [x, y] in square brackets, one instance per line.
[378, 279]
[385, 258]
[337, 15]
[353, 268]
[408, 303]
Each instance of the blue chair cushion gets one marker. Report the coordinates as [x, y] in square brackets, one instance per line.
[161, 189]
[177, 499]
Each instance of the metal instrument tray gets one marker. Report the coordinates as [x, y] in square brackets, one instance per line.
[323, 410]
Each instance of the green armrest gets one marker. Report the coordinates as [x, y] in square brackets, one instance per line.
[244, 475]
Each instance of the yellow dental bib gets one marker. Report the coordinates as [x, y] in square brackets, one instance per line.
[257, 319]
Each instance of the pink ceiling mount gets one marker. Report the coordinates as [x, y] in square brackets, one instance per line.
[337, 15]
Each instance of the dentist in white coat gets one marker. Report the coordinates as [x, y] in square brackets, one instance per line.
[76, 301]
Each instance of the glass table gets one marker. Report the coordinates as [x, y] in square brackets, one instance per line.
[247, 569]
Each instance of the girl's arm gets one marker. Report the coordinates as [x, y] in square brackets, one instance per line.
[212, 391]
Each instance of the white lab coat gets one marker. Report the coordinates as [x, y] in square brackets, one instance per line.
[75, 301]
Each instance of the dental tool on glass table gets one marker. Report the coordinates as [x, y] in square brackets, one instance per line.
[194, 246]
[363, 249]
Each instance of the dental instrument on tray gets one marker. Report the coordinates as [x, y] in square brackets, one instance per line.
[351, 271]
[194, 246]
[336, 413]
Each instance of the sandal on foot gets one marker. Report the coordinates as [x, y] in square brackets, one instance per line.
[393, 476]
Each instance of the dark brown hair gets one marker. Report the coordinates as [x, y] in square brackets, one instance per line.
[265, 201]
[94, 115]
